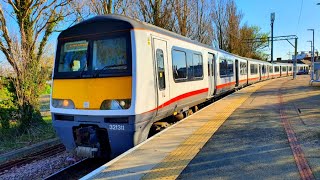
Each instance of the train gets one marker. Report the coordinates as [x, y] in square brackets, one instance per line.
[114, 77]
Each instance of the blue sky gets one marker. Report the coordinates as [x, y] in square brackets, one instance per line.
[257, 12]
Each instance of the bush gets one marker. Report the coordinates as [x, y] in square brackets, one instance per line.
[8, 110]
[47, 89]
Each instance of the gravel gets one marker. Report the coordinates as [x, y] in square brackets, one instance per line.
[41, 169]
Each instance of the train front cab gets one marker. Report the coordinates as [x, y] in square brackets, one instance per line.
[92, 101]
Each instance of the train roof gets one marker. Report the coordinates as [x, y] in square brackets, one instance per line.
[109, 23]
[113, 22]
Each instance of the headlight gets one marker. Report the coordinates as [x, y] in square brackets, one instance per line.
[63, 103]
[116, 104]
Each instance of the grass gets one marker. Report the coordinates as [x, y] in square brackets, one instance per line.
[9, 140]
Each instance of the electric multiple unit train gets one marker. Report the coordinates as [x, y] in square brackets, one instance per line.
[115, 76]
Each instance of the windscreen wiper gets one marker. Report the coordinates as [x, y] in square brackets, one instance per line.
[107, 67]
[82, 70]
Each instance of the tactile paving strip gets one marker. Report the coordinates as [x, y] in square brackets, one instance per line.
[173, 164]
[302, 163]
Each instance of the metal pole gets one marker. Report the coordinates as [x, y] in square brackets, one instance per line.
[312, 54]
[272, 42]
[272, 18]
[311, 75]
[295, 58]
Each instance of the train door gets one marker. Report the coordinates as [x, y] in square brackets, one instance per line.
[260, 73]
[211, 73]
[248, 72]
[161, 65]
[237, 72]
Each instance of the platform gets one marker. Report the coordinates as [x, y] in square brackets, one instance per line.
[269, 130]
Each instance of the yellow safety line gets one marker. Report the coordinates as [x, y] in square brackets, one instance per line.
[173, 164]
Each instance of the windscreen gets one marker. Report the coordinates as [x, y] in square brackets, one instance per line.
[110, 54]
[96, 57]
[73, 56]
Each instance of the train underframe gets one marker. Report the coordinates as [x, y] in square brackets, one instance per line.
[99, 136]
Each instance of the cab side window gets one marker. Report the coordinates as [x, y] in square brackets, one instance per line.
[161, 70]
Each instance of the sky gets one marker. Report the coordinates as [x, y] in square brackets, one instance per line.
[292, 17]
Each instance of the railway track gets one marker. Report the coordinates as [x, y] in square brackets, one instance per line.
[53, 150]
[79, 169]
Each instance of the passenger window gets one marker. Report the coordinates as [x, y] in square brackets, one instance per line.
[190, 66]
[276, 69]
[230, 68]
[263, 69]
[179, 64]
[161, 69]
[270, 69]
[284, 69]
[243, 68]
[197, 65]
[253, 68]
[223, 66]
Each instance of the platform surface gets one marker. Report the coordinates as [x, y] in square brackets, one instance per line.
[247, 135]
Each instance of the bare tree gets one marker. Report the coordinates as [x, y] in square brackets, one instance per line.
[156, 12]
[86, 8]
[80, 9]
[36, 21]
[234, 17]
[201, 22]
[219, 18]
[230, 35]
[100, 7]
[182, 13]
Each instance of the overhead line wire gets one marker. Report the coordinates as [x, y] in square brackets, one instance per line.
[299, 16]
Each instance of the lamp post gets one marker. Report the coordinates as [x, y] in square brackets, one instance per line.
[312, 51]
[272, 18]
[310, 46]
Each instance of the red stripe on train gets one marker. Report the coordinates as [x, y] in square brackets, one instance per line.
[253, 79]
[225, 85]
[182, 96]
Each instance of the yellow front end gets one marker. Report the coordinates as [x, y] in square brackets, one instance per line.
[90, 93]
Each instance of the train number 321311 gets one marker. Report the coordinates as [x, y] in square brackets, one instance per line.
[116, 127]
